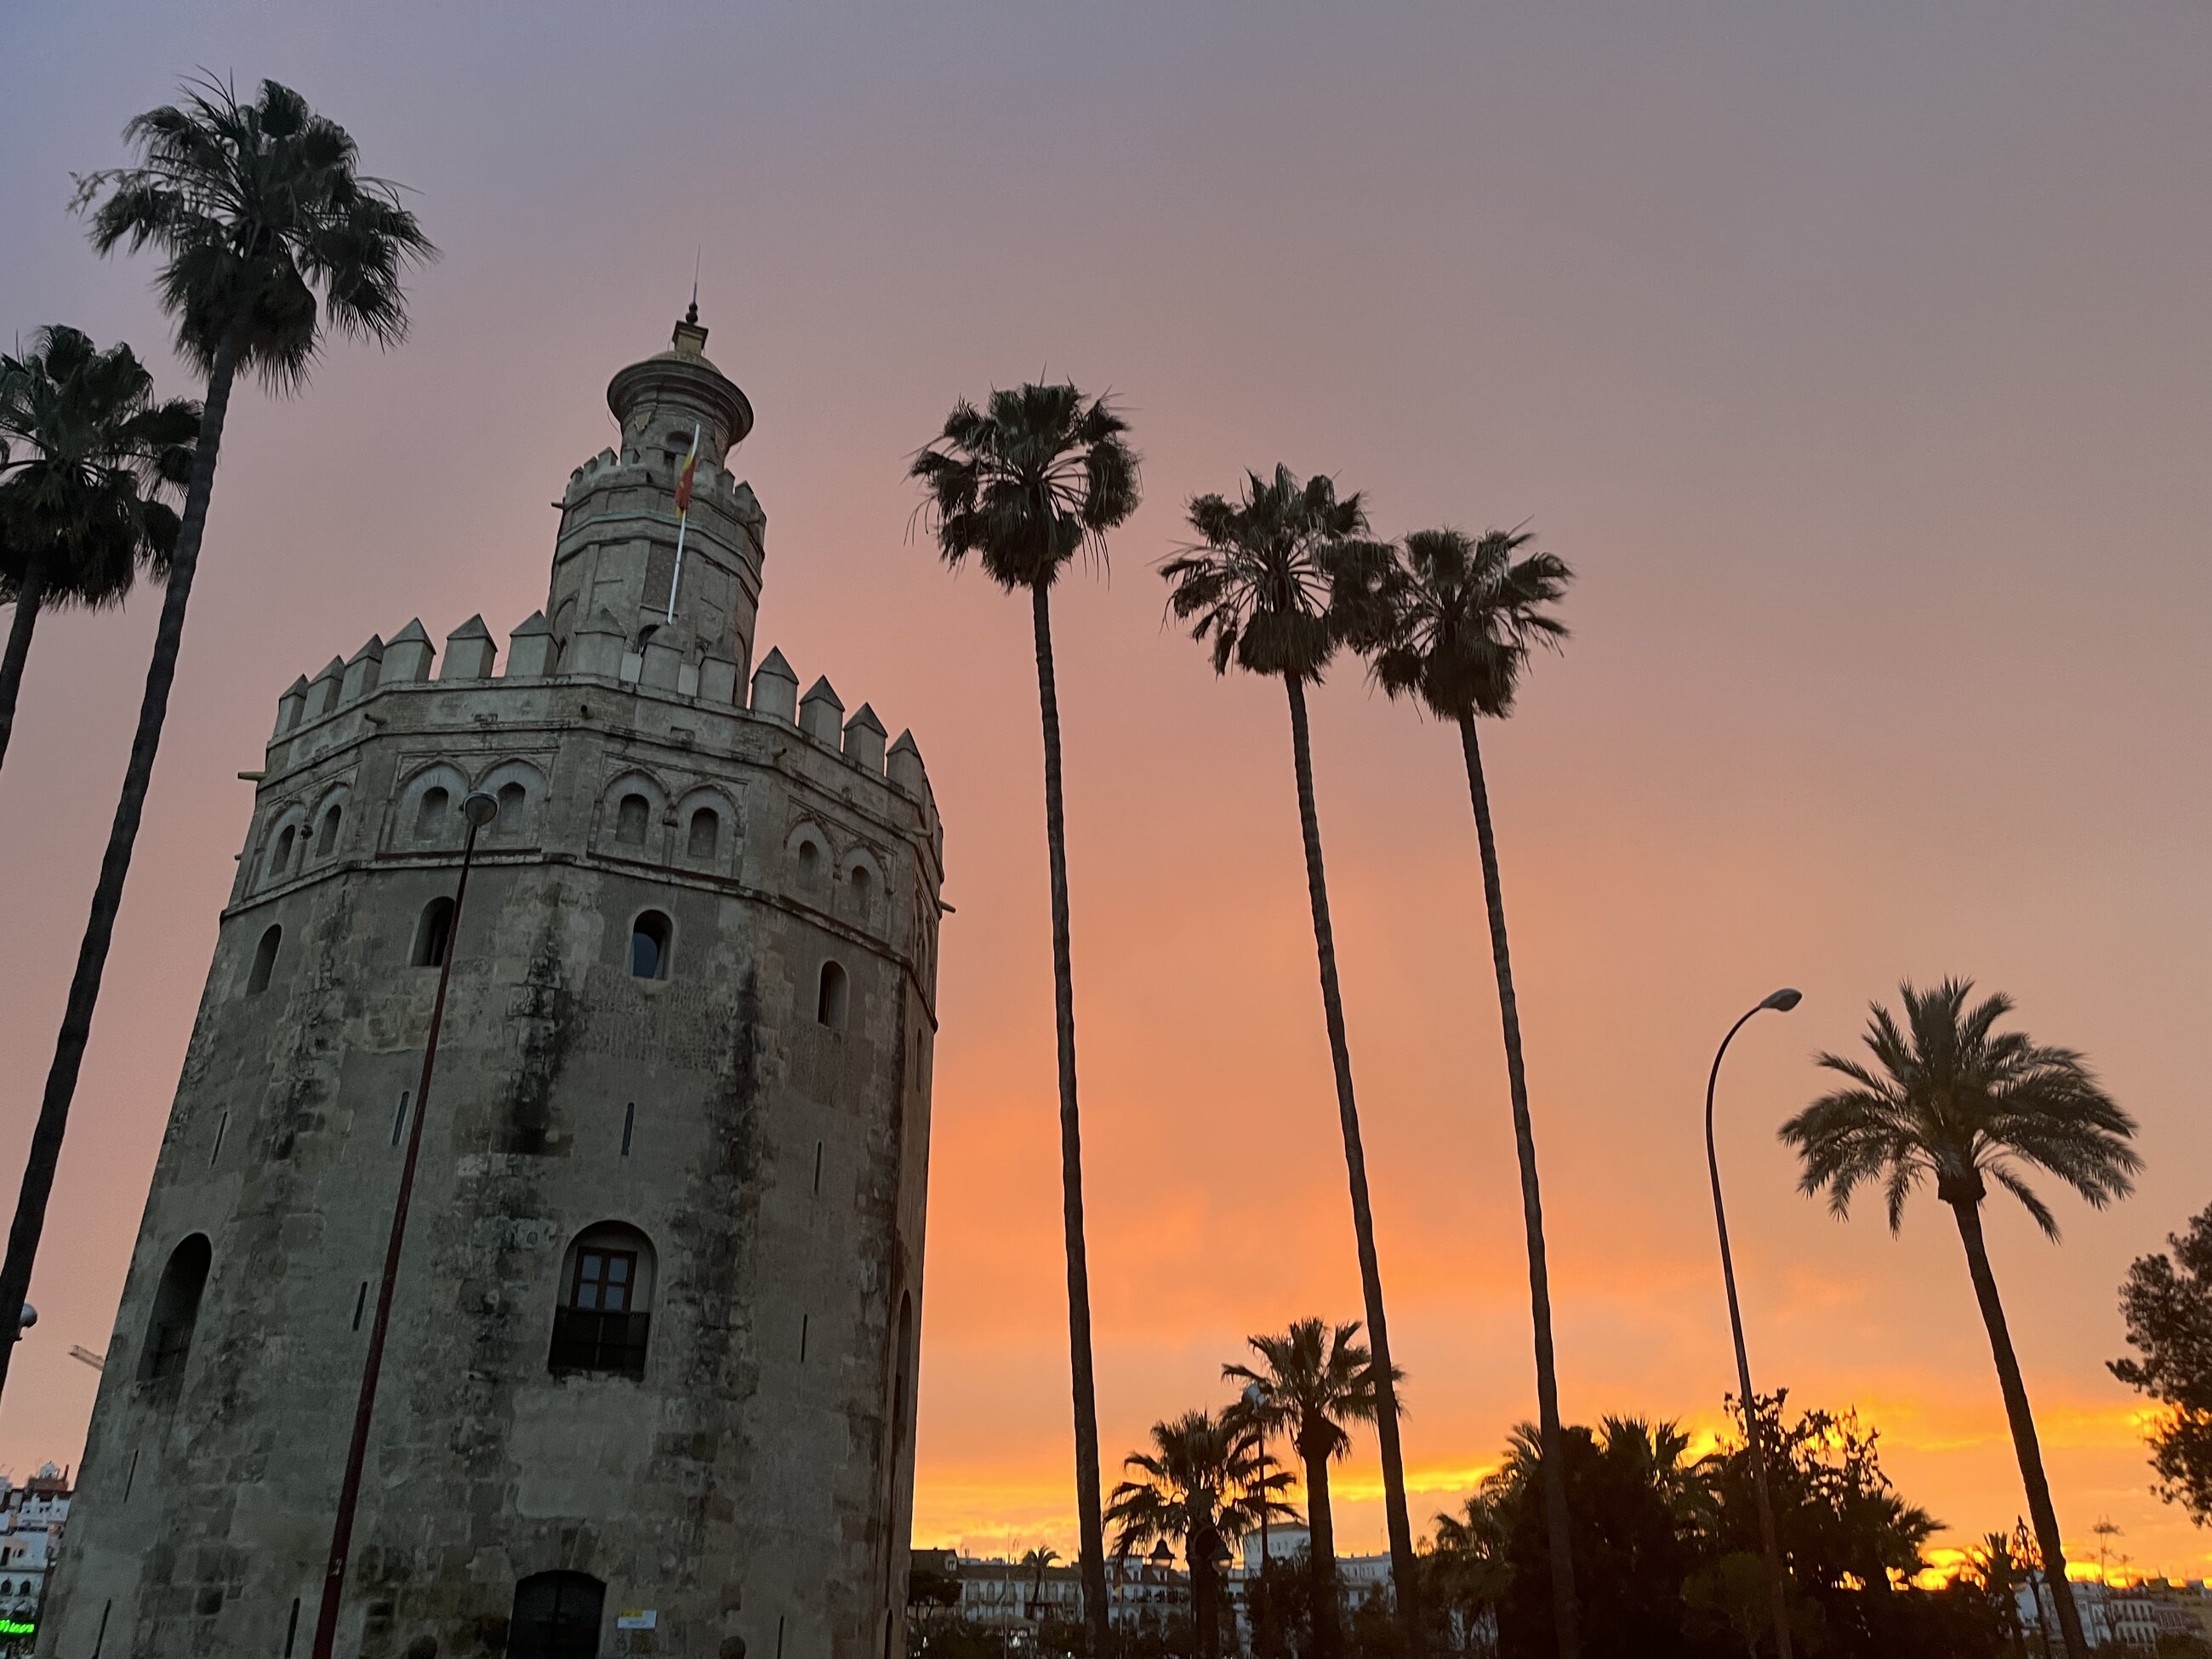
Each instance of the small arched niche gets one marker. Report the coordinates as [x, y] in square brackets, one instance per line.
[176, 1309]
[633, 813]
[832, 995]
[557, 1616]
[605, 1316]
[434, 931]
[704, 841]
[650, 937]
[326, 839]
[264, 961]
[280, 853]
[433, 816]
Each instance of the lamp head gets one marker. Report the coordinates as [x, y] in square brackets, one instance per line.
[1783, 1001]
[479, 808]
[1253, 1396]
[30, 1316]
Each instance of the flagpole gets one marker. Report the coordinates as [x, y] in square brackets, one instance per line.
[682, 524]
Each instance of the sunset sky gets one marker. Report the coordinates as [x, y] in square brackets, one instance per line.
[1858, 359]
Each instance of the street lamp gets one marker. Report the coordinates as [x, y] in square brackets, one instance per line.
[1781, 1002]
[479, 809]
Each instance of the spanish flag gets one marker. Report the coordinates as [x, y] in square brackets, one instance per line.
[683, 475]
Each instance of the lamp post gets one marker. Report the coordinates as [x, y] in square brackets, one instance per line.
[479, 809]
[1781, 1002]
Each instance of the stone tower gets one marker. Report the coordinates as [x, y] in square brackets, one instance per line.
[650, 1380]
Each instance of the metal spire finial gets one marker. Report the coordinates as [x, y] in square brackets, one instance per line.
[692, 315]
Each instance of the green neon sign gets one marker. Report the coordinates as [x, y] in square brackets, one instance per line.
[16, 1627]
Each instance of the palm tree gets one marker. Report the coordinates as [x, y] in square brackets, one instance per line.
[86, 454]
[1264, 583]
[1950, 1097]
[1451, 621]
[256, 206]
[1037, 476]
[1038, 1561]
[1202, 1487]
[1313, 1379]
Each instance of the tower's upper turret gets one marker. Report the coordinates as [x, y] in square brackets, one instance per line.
[659, 401]
[616, 556]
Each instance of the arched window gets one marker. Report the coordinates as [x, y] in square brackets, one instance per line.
[327, 842]
[430, 821]
[280, 856]
[606, 1312]
[899, 1374]
[512, 797]
[176, 1309]
[629, 820]
[432, 933]
[830, 999]
[809, 863]
[264, 961]
[648, 946]
[706, 833]
[863, 889]
[557, 1616]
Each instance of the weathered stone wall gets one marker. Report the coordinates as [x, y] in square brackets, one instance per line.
[757, 1480]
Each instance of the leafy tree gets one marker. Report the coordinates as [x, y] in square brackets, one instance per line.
[1451, 621]
[1950, 1098]
[1036, 476]
[85, 454]
[256, 207]
[1312, 1380]
[2167, 1304]
[1200, 1488]
[1266, 583]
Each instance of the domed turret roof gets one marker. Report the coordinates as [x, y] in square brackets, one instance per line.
[682, 379]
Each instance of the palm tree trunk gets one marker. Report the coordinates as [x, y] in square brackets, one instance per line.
[28, 592]
[1320, 1551]
[1096, 1615]
[108, 894]
[1557, 1521]
[2024, 1440]
[1204, 1622]
[1402, 1563]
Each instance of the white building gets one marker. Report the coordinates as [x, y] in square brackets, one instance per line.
[32, 1518]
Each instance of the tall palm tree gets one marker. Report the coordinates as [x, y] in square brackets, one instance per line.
[86, 454]
[1039, 1562]
[1951, 1098]
[256, 207]
[1451, 621]
[1263, 583]
[1312, 1380]
[1036, 476]
[1202, 1488]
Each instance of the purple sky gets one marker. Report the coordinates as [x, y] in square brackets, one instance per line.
[1856, 357]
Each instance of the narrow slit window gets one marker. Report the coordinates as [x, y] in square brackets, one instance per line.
[292, 1629]
[359, 1302]
[805, 1321]
[400, 1117]
[432, 933]
[818, 1169]
[130, 1474]
[264, 961]
[831, 996]
[216, 1150]
[629, 1126]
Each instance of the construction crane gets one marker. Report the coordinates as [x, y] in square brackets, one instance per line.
[90, 1358]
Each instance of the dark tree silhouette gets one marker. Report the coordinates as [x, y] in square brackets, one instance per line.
[1265, 584]
[87, 454]
[1451, 621]
[2167, 1303]
[1950, 1098]
[1036, 476]
[258, 207]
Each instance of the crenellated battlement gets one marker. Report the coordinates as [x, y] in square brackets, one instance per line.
[472, 663]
